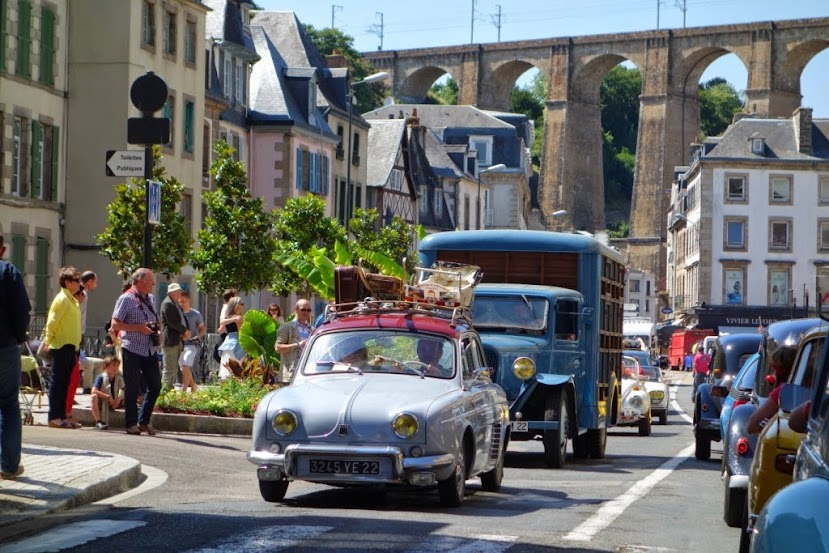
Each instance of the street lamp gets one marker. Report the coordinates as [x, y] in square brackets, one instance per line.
[349, 194]
[496, 167]
[558, 213]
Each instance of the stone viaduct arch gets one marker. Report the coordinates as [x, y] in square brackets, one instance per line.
[670, 62]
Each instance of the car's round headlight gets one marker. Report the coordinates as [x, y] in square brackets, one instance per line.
[523, 368]
[284, 422]
[405, 425]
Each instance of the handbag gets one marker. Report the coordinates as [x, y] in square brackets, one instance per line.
[43, 351]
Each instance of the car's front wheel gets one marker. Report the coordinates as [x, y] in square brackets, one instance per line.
[273, 490]
[452, 490]
[645, 425]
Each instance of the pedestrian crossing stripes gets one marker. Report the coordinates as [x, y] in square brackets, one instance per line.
[71, 535]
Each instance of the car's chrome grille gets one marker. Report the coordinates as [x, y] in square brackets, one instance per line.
[496, 441]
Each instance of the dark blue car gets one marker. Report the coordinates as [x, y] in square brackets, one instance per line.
[730, 353]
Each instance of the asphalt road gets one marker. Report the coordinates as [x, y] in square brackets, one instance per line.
[648, 494]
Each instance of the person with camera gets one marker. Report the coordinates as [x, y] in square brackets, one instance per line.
[192, 345]
[173, 333]
[136, 319]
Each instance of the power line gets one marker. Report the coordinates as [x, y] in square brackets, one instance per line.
[496, 20]
[376, 29]
[334, 9]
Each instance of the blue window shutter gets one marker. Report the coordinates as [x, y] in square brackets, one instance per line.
[325, 175]
[299, 168]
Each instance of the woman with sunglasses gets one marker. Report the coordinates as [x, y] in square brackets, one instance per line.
[275, 312]
[63, 335]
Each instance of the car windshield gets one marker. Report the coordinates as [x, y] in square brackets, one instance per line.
[630, 368]
[380, 351]
[651, 374]
[746, 378]
[513, 312]
[643, 357]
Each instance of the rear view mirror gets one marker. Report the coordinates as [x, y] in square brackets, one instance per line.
[719, 391]
[792, 395]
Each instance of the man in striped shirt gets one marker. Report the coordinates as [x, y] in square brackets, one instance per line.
[137, 321]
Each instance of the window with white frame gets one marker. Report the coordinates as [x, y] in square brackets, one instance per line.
[396, 180]
[424, 198]
[780, 232]
[190, 41]
[170, 32]
[758, 146]
[823, 235]
[38, 157]
[823, 190]
[735, 234]
[483, 145]
[635, 285]
[780, 190]
[438, 202]
[240, 82]
[736, 189]
[17, 157]
[228, 76]
[148, 27]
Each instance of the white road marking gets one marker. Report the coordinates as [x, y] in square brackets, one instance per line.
[611, 510]
[268, 538]
[675, 406]
[486, 543]
[71, 535]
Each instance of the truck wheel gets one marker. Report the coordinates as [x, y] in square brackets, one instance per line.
[555, 441]
[273, 490]
[596, 442]
[702, 451]
[733, 503]
[580, 447]
[645, 426]
[452, 490]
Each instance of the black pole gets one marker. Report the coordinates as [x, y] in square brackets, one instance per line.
[148, 229]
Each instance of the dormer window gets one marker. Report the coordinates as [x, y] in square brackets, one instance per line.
[758, 146]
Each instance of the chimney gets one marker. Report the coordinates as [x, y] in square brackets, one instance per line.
[336, 60]
[802, 118]
[414, 120]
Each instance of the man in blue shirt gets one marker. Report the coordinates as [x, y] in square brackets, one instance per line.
[14, 322]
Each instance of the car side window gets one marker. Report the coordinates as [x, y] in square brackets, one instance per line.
[472, 358]
[804, 372]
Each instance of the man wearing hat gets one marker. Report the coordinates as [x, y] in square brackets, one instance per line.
[173, 333]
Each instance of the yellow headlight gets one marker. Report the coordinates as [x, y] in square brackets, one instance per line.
[284, 422]
[405, 425]
[523, 368]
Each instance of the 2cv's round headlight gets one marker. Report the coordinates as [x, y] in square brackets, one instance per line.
[405, 425]
[284, 422]
[523, 368]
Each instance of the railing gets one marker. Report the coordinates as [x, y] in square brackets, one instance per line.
[340, 152]
[355, 159]
[681, 302]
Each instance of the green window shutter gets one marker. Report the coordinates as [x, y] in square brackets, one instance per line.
[37, 153]
[53, 186]
[19, 253]
[41, 275]
[47, 46]
[3, 17]
[188, 127]
[24, 38]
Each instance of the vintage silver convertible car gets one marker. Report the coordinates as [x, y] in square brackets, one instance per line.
[385, 394]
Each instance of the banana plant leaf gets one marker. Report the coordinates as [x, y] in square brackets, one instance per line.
[257, 336]
[322, 284]
[387, 265]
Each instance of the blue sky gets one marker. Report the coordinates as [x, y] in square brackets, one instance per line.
[448, 22]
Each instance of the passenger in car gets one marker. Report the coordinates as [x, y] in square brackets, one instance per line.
[781, 363]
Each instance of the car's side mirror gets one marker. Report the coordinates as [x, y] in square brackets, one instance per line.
[719, 391]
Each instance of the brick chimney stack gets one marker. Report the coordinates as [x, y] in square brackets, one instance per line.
[336, 60]
[802, 118]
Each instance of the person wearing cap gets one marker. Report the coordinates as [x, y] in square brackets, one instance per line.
[173, 333]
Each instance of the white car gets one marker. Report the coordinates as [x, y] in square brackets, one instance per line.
[658, 391]
[636, 402]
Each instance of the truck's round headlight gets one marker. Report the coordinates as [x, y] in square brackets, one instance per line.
[523, 368]
[284, 422]
[405, 425]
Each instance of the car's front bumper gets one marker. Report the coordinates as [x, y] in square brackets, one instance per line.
[398, 469]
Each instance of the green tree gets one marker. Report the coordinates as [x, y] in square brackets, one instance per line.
[236, 245]
[368, 96]
[122, 242]
[619, 99]
[300, 228]
[394, 240]
[718, 102]
[530, 100]
[445, 93]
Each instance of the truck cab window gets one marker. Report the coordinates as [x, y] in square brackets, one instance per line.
[567, 320]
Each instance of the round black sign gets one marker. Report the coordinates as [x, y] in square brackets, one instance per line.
[148, 92]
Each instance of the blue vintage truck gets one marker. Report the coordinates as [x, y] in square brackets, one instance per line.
[549, 311]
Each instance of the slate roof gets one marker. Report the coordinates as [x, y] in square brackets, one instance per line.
[441, 116]
[438, 158]
[224, 24]
[384, 140]
[780, 137]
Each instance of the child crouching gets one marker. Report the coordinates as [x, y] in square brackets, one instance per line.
[107, 392]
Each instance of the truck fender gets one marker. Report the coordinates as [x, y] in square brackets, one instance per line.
[554, 379]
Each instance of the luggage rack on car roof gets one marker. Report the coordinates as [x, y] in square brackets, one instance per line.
[371, 306]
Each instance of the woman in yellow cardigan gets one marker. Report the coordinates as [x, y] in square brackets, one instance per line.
[63, 335]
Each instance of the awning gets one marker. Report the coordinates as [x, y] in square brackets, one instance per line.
[724, 330]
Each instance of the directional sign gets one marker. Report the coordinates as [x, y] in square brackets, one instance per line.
[154, 215]
[125, 163]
